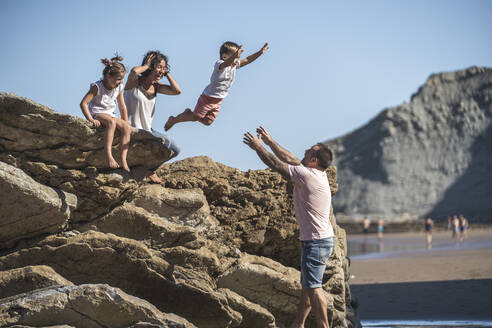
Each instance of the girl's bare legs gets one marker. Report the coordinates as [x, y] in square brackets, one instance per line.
[186, 116]
[125, 134]
[110, 125]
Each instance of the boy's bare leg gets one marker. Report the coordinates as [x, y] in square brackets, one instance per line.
[186, 116]
[125, 134]
[110, 125]
[302, 311]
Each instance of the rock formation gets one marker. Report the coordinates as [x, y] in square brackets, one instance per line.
[431, 156]
[212, 247]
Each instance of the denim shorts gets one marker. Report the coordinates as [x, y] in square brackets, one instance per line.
[314, 254]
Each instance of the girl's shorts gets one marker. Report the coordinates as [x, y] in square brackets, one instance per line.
[207, 107]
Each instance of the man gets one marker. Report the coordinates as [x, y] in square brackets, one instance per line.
[312, 201]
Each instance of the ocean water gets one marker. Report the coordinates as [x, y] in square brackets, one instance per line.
[367, 248]
[425, 324]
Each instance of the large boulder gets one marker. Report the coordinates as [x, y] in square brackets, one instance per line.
[39, 132]
[29, 208]
[267, 283]
[88, 306]
[187, 207]
[133, 267]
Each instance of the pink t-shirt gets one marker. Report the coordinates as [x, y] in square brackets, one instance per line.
[312, 201]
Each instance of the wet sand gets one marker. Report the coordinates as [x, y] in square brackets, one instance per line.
[450, 281]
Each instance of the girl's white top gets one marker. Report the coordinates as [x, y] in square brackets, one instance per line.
[105, 101]
[221, 80]
[141, 107]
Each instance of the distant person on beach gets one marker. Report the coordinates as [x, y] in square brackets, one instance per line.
[99, 104]
[141, 91]
[380, 229]
[366, 223]
[449, 222]
[463, 228]
[208, 105]
[456, 227]
[429, 223]
[312, 202]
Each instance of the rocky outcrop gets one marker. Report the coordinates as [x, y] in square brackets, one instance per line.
[180, 246]
[90, 306]
[133, 267]
[29, 208]
[430, 156]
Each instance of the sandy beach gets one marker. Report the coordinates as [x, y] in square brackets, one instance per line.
[451, 281]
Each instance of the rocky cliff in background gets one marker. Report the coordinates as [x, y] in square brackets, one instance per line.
[84, 246]
[432, 156]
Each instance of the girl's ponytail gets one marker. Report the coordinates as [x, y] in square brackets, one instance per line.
[114, 66]
[106, 62]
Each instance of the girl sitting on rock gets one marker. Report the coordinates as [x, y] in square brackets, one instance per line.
[99, 104]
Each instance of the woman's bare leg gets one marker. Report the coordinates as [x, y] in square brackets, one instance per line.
[154, 178]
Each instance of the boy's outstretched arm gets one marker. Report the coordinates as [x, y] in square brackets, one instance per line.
[252, 58]
[229, 61]
[283, 154]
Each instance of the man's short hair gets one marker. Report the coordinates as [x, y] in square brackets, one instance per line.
[324, 155]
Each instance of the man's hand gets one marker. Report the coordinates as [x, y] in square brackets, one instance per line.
[264, 135]
[253, 142]
[264, 48]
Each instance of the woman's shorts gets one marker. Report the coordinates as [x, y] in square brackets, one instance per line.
[207, 107]
[314, 254]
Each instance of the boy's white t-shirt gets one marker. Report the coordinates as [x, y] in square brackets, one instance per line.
[221, 80]
[105, 101]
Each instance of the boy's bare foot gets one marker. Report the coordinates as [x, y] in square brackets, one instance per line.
[154, 178]
[112, 163]
[170, 122]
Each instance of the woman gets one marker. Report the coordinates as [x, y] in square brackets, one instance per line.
[141, 91]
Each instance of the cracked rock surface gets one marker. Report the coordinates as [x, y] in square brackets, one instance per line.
[89, 306]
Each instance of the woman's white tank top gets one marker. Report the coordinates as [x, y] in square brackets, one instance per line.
[141, 107]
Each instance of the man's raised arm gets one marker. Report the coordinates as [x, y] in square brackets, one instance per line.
[268, 158]
[283, 154]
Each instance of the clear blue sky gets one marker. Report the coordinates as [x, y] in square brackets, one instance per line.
[331, 65]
